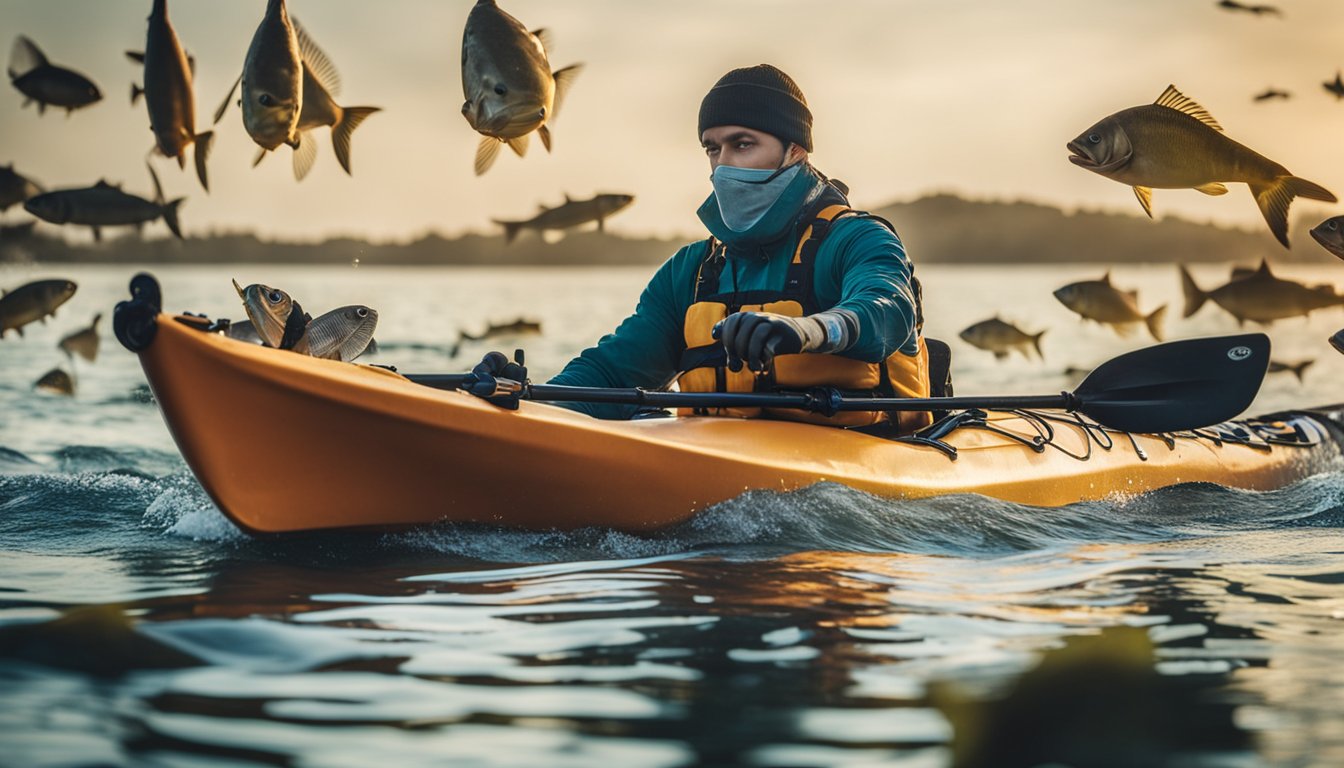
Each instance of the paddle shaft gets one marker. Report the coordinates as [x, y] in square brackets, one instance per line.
[821, 400]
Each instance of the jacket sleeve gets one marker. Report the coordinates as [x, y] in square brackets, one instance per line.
[644, 350]
[870, 272]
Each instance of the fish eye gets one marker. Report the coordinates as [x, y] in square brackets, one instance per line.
[541, 113]
[1094, 138]
[266, 100]
[1333, 226]
[361, 313]
[501, 89]
[274, 296]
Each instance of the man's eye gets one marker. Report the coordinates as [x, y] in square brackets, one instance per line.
[744, 145]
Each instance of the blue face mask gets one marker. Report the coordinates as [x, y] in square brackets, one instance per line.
[746, 194]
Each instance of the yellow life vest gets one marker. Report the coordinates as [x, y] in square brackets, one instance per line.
[704, 363]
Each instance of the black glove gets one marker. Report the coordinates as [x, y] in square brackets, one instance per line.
[496, 366]
[757, 337]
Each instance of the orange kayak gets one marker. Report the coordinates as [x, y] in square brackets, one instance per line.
[283, 442]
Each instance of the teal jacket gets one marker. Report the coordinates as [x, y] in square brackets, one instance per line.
[861, 266]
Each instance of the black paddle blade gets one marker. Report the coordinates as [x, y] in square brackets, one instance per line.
[1178, 385]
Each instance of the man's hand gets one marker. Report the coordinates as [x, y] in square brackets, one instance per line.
[757, 337]
[495, 366]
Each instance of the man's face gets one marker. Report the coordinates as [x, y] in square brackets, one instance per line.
[741, 147]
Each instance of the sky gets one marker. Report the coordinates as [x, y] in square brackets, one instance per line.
[909, 97]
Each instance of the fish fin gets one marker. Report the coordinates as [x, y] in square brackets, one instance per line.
[1145, 195]
[563, 79]
[224, 105]
[1275, 197]
[1300, 369]
[552, 236]
[182, 160]
[519, 144]
[511, 230]
[19, 330]
[170, 217]
[261, 155]
[136, 93]
[486, 153]
[204, 141]
[546, 39]
[304, 155]
[316, 62]
[1036, 343]
[568, 199]
[1263, 269]
[24, 57]
[136, 56]
[41, 108]
[1106, 278]
[1154, 322]
[1174, 99]
[97, 236]
[96, 317]
[1194, 295]
[191, 65]
[1134, 294]
[1000, 354]
[1213, 189]
[601, 225]
[154, 177]
[341, 132]
[545, 133]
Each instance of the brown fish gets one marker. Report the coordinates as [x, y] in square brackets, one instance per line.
[84, 342]
[45, 83]
[31, 302]
[56, 382]
[995, 335]
[508, 83]
[1272, 93]
[1102, 302]
[1330, 234]
[272, 81]
[1297, 369]
[1176, 144]
[321, 84]
[15, 188]
[169, 95]
[572, 213]
[1260, 297]
[517, 327]
[269, 310]
[105, 205]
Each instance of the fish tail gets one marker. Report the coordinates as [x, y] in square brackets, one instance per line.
[136, 93]
[1194, 295]
[204, 141]
[1154, 321]
[1036, 342]
[1300, 369]
[1275, 197]
[511, 229]
[170, 216]
[340, 132]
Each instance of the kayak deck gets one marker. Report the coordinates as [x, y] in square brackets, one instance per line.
[283, 442]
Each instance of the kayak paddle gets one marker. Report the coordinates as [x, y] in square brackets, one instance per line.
[1168, 387]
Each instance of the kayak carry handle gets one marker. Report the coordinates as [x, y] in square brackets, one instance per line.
[134, 322]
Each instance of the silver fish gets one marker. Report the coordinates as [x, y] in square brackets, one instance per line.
[343, 334]
[1102, 302]
[1000, 337]
[45, 83]
[269, 310]
[272, 81]
[1260, 297]
[572, 213]
[507, 80]
[1330, 234]
[15, 188]
[105, 205]
[170, 96]
[56, 382]
[83, 342]
[31, 302]
[1176, 144]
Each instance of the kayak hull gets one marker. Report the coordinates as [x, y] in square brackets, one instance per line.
[283, 442]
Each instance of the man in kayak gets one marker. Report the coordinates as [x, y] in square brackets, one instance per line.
[792, 290]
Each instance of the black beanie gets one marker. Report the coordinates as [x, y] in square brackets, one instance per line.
[759, 97]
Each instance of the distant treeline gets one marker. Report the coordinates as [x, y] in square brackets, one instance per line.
[940, 229]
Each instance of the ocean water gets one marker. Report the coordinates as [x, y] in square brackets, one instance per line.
[1193, 626]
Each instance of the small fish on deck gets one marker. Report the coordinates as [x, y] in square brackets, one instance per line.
[32, 302]
[570, 214]
[1176, 144]
[1001, 337]
[507, 80]
[83, 342]
[46, 84]
[1102, 302]
[276, 320]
